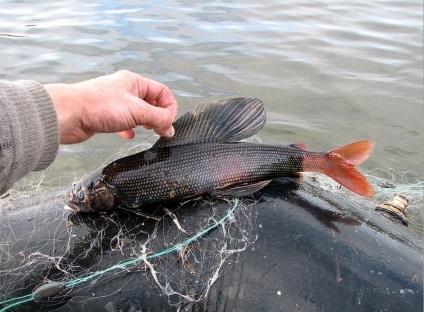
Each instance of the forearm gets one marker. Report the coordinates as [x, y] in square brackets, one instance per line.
[29, 132]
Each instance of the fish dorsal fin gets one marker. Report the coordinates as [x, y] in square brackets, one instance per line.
[223, 120]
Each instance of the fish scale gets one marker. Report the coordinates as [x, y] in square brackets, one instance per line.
[197, 169]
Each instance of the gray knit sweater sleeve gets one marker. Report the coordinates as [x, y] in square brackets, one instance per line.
[29, 131]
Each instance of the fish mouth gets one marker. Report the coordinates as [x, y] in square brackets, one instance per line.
[71, 207]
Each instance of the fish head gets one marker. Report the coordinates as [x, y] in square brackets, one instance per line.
[90, 194]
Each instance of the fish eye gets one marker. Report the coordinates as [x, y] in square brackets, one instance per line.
[79, 196]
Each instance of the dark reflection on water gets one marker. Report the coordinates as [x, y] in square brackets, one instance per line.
[328, 72]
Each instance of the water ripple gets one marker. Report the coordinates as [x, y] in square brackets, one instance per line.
[338, 70]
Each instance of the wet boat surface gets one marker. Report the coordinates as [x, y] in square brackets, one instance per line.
[310, 250]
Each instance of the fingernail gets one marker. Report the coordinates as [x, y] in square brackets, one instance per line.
[171, 132]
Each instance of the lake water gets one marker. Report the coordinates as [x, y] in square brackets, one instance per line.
[328, 72]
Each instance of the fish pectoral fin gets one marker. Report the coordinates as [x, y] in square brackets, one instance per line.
[223, 120]
[299, 145]
[240, 190]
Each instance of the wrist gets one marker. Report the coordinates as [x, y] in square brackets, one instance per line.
[66, 103]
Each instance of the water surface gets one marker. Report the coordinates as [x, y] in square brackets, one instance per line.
[328, 72]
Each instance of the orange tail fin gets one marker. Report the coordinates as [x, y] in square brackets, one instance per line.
[343, 168]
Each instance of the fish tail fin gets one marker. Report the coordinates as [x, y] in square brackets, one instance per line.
[342, 169]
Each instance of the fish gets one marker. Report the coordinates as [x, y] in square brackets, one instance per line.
[207, 156]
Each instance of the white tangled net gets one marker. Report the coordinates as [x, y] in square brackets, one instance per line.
[387, 182]
[181, 252]
[178, 252]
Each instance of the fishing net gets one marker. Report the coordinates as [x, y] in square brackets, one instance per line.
[52, 260]
[387, 183]
[180, 253]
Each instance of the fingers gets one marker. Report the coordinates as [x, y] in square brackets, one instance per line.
[163, 111]
[158, 107]
[156, 94]
[157, 118]
[127, 134]
[121, 101]
[159, 95]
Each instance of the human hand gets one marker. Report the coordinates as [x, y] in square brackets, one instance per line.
[114, 103]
